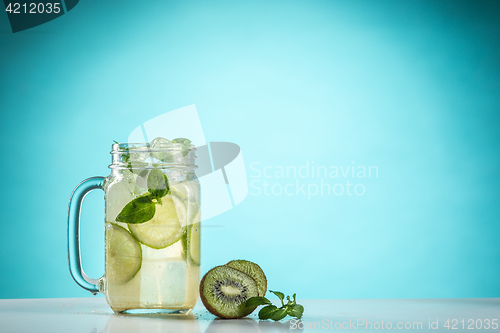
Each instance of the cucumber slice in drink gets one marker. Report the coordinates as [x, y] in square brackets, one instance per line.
[123, 254]
[164, 229]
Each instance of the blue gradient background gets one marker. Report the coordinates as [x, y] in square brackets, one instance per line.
[412, 87]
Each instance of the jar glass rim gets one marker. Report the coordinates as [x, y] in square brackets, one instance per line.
[120, 150]
[146, 148]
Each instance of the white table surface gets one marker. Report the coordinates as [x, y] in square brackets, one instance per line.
[92, 315]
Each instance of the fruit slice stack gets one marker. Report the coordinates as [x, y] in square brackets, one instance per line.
[225, 289]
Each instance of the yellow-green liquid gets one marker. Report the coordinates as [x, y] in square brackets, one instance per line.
[169, 277]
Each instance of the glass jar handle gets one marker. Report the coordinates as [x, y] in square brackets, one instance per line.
[75, 205]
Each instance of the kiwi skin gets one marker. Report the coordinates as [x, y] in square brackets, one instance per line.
[261, 283]
[213, 310]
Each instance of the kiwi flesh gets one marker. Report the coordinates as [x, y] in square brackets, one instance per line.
[254, 271]
[224, 291]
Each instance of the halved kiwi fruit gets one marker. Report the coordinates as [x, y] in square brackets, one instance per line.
[224, 291]
[253, 270]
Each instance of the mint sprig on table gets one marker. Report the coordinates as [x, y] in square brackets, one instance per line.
[142, 209]
[272, 312]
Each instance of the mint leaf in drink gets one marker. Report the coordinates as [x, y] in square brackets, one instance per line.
[139, 210]
[256, 301]
[182, 141]
[185, 143]
[295, 311]
[158, 183]
[126, 157]
[267, 311]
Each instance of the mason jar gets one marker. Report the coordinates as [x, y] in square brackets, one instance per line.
[152, 228]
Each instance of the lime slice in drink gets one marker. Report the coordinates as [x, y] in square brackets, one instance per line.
[163, 230]
[191, 242]
[193, 235]
[180, 193]
[180, 208]
[187, 189]
[123, 254]
[179, 189]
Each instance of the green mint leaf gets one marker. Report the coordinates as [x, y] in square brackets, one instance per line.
[116, 142]
[166, 157]
[158, 183]
[290, 302]
[142, 176]
[256, 301]
[280, 295]
[186, 145]
[278, 314]
[267, 311]
[295, 311]
[139, 210]
[182, 141]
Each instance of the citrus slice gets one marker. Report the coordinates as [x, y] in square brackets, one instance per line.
[194, 241]
[163, 230]
[123, 254]
[188, 189]
[180, 208]
[180, 193]
[179, 189]
[191, 242]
